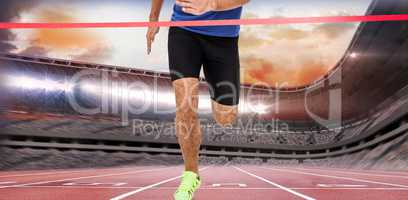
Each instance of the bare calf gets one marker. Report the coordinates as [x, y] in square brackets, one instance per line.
[187, 122]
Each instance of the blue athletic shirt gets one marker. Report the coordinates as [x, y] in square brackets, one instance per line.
[220, 31]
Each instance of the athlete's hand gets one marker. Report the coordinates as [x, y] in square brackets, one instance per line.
[150, 36]
[197, 7]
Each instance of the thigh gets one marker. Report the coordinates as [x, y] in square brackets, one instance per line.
[185, 54]
[222, 69]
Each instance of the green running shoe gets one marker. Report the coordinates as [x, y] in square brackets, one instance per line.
[190, 182]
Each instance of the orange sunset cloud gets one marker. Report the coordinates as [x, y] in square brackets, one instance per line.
[80, 44]
[290, 55]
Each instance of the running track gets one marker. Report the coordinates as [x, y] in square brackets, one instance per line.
[229, 182]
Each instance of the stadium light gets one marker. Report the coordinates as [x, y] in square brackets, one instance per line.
[91, 88]
[126, 92]
[204, 103]
[353, 55]
[260, 108]
[37, 84]
[115, 91]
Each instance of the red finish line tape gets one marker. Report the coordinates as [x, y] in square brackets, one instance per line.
[262, 21]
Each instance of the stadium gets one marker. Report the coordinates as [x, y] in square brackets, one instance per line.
[79, 130]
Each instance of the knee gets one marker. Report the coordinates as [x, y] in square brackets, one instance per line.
[224, 115]
[186, 91]
[187, 123]
[186, 117]
[225, 119]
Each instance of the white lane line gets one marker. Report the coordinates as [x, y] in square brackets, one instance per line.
[393, 173]
[276, 185]
[61, 172]
[330, 185]
[39, 174]
[148, 187]
[215, 188]
[339, 177]
[356, 173]
[7, 182]
[229, 184]
[83, 177]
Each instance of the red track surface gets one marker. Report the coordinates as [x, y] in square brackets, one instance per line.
[238, 183]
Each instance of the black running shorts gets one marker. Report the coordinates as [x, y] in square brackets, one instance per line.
[219, 57]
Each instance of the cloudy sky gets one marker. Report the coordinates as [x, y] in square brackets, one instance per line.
[288, 55]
